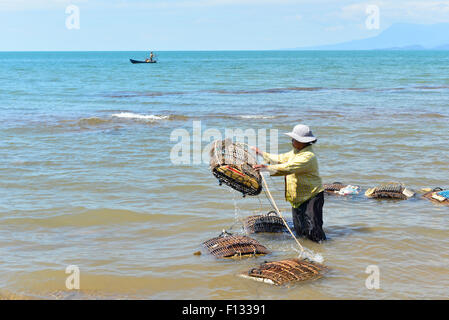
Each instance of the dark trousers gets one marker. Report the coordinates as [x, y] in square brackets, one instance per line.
[308, 218]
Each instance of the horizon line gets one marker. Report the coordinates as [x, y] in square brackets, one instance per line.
[229, 50]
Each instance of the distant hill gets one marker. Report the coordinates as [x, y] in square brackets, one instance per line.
[400, 36]
[443, 47]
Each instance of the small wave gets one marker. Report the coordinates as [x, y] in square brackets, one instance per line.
[269, 90]
[116, 120]
[430, 87]
[147, 117]
[256, 117]
[92, 121]
[432, 115]
[243, 116]
[85, 217]
[132, 94]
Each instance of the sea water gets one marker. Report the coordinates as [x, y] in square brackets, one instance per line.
[87, 176]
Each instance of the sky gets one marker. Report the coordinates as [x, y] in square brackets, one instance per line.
[159, 25]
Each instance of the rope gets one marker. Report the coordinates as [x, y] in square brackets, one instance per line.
[273, 203]
[215, 148]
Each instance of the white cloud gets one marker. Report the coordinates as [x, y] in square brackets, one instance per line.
[418, 11]
[294, 18]
[334, 28]
[22, 5]
[217, 3]
[204, 3]
[400, 11]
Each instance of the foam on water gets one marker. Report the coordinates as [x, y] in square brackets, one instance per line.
[256, 117]
[147, 117]
[309, 254]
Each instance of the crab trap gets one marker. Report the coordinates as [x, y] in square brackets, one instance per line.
[285, 272]
[232, 164]
[438, 195]
[333, 187]
[341, 189]
[390, 191]
[269, 222]
[227, 245]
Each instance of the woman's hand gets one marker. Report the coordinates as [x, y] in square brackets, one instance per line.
[256, 150]
[259, 167]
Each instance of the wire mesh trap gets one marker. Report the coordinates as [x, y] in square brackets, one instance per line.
[341, 189]
[227, 245]
[438, 195]
[333, 187]
[390, 191]
[232, 164]
[269, 222]
[286, 272]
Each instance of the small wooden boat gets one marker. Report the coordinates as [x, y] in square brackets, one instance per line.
[138, 61]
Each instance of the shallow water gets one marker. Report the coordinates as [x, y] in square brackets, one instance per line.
[86, 176]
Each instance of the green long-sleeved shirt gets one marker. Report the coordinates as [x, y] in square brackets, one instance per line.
[300, 168]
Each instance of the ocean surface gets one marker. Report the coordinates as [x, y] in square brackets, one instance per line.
[88, 177]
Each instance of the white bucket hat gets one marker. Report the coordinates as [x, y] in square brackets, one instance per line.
[302, 133]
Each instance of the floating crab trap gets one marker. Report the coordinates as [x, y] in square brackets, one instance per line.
[333, 187]
[341, 189]
[227, 245]
[269, 222]
[438, 195]
[390, 191]
[286, 272]
[232, 164]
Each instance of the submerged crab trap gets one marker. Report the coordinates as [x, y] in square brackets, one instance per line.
[232, 164]
[438, 195]
[269, 222]
[390, 191]
[227, 245]
[286, 272]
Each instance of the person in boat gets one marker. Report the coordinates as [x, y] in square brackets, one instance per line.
[151, 57]
[303, 185]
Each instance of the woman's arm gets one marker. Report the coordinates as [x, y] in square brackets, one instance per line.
[299, 164]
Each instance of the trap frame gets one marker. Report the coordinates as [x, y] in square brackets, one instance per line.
[269, 222]
[390, 191]
[227, 245]
[232, 164]
[333, 187]
[285, 272]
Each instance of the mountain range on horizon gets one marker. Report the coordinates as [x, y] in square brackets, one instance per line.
[399, 36]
